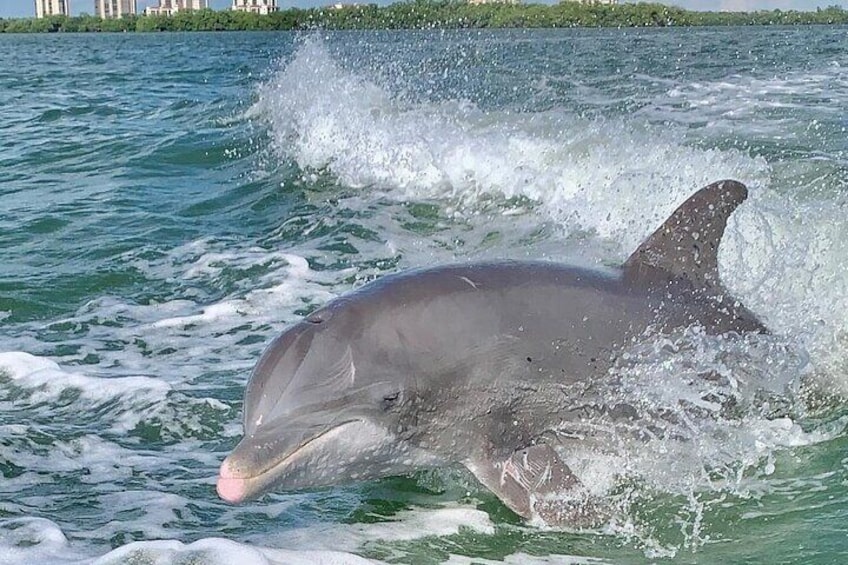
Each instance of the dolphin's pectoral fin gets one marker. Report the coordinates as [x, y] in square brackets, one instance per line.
[538, 486]
[686, 245]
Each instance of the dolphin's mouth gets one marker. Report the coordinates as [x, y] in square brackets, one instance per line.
[236, 486]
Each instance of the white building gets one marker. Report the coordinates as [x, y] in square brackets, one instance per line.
[255, 6]
[52, 8]
[114, 8]
[171, 7]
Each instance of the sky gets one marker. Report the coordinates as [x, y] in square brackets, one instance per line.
[26, 8]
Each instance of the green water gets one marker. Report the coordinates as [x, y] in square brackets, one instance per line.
[170, 202]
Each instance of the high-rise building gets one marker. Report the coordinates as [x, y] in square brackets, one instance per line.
[114, 8]
[255, 6]
[52, 8]
[170, 7]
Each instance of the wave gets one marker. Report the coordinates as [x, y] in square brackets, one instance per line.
[25, 540]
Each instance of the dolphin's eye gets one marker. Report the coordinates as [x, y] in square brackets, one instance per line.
[389, 401]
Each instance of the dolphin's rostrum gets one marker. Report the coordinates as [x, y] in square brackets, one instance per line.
[475, 364]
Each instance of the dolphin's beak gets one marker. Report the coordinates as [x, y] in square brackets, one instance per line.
[258, 463]
[232, 487]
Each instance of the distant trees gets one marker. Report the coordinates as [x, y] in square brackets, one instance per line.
[424, 14]
[84, 23]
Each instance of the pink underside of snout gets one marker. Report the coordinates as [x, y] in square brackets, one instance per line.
[230, 487]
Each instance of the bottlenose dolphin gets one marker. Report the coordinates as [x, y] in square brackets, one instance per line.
[473, 364]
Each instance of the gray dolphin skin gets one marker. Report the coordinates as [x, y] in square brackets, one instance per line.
[475, 364]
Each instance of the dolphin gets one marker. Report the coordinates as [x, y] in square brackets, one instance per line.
[473, 364]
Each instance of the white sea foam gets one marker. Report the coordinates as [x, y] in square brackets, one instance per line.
[760, 106]
[284, 286]
[29, 539]
[43, 381]
[179, 339]
[34, 540]
[525, 559]
[405, 526]
[37, 540]
[46, 379]
[218, 551]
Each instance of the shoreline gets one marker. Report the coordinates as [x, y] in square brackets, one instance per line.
[433, 15]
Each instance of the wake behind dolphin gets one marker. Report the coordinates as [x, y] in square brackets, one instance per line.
[480, 365]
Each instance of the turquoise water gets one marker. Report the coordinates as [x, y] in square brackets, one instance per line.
[170, 202]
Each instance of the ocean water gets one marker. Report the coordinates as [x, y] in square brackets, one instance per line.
[169, 202]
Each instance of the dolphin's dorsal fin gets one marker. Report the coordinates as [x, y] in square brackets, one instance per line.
[686, 245]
